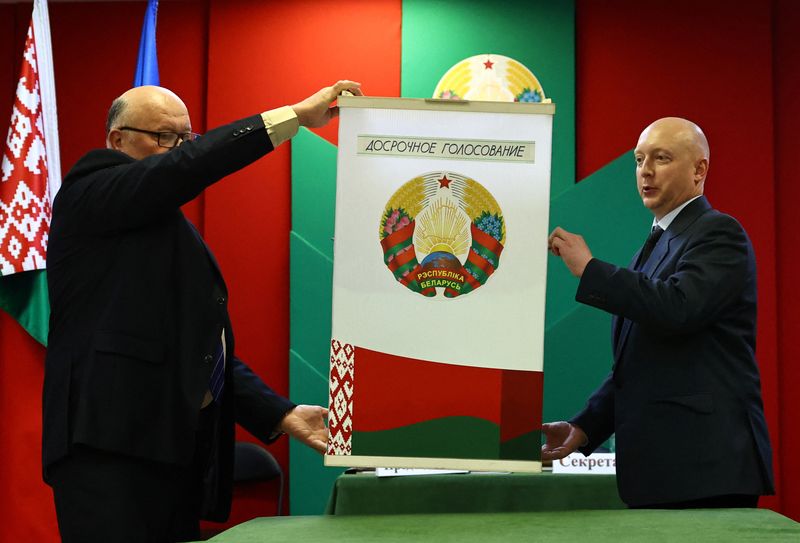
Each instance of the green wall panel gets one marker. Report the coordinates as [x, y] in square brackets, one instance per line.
[311, 277]
[310, 303]
[577, 359]
[313, 190]
[604, 208]
[607, 211]
[437, 34]
[310, 482]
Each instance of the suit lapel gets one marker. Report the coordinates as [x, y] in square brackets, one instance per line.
[658, 255]
[621, 325]
[686, 217]
[211, 259]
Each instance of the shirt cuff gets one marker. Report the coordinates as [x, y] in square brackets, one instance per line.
[281, 124]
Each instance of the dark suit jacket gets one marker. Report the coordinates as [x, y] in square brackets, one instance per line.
[684, 397]
[137, 307]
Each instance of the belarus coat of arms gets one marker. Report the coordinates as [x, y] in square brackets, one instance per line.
[442, 232]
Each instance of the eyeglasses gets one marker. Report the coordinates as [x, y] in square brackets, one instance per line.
[169, 140]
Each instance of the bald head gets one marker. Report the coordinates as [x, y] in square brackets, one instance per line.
[672, 157]
[147, 108]
[681, 131]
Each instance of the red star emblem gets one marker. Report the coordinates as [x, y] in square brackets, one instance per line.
[444, 182]
[488, 64]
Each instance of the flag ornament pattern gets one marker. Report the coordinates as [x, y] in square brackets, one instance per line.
[340, 414]
[442, 232]
[403, 410]
[24, 190]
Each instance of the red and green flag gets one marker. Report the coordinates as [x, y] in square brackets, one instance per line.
[29, 179]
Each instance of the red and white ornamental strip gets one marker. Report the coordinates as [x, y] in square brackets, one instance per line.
[30, 172]
[340, 414]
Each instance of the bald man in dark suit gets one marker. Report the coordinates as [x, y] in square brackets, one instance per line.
[684, 395]
[142, 383]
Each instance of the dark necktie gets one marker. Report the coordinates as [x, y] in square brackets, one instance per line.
[649, 244]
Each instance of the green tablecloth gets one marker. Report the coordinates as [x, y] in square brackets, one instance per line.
[649, 526]
[366, 494]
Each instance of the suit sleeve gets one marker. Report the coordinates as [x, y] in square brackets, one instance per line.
[133, 193]
[259, 409]
[597, 417]
[711, 270]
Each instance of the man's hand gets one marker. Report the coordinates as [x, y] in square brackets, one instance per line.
[562, 439]
[316, 110]
[571, 248]
[306, 423]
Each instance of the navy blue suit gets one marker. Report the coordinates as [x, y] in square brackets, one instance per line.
[684, 396]
[138, 304]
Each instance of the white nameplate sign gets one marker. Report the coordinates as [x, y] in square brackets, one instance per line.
[401, 472]
[597, 463]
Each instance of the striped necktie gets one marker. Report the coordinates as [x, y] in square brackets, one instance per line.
[217, 381]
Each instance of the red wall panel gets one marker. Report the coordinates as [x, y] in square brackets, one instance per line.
[635, 62]
[787, 194]
[264, 55]
[639, 61]
[28, 513]
[94, 55]
[10, 62]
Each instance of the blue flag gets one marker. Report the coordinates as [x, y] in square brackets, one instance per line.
[147, 63]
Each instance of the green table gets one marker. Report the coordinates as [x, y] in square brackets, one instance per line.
[366, 494]
[650, 526]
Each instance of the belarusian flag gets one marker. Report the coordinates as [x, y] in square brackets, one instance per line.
[29, 179]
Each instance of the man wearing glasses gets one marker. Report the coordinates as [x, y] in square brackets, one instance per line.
[167, 140]
[142, 385]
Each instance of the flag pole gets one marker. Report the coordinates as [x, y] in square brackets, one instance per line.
[47, 87]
